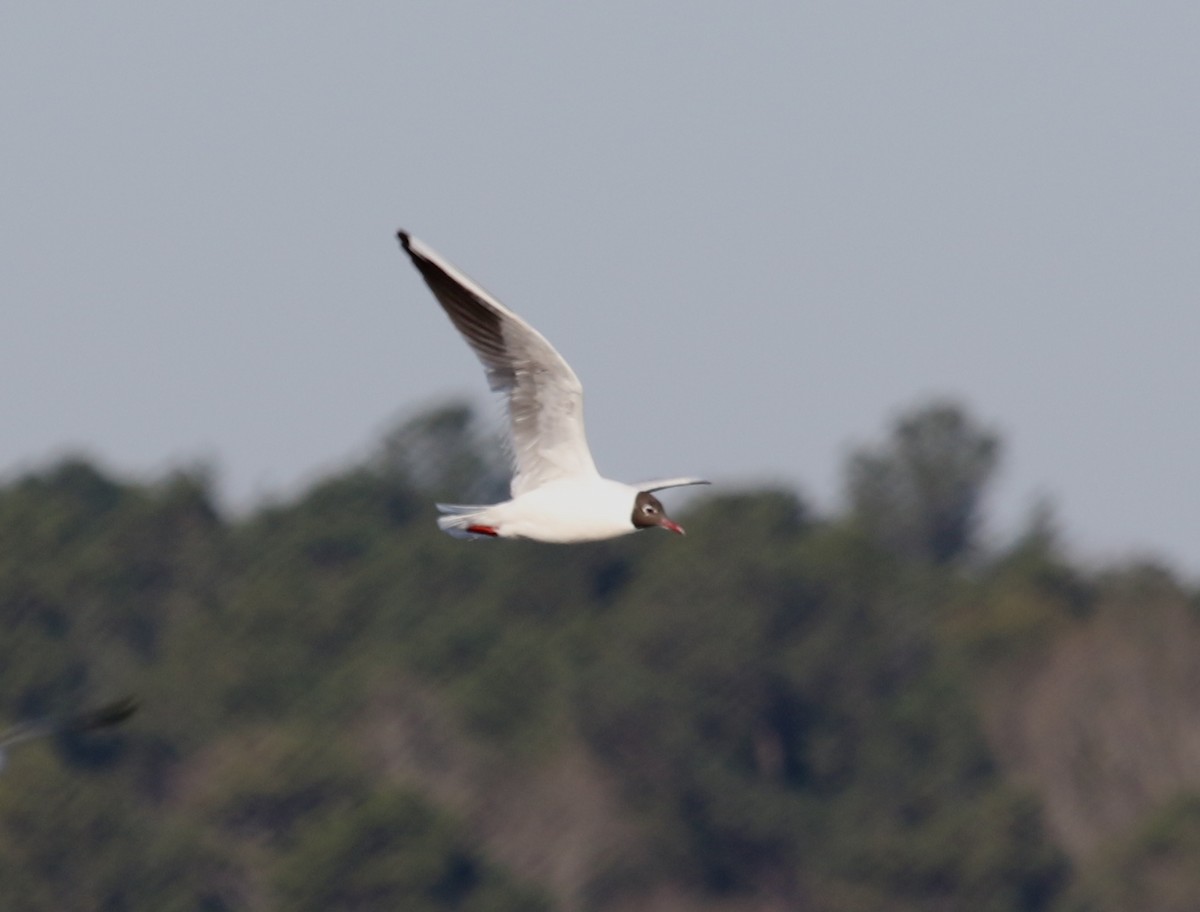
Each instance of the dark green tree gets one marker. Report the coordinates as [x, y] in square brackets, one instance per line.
[394, 851]
[919, 494]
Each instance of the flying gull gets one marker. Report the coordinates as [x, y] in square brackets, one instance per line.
[557, 493]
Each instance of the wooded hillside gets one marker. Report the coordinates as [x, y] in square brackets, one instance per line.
[343, 709]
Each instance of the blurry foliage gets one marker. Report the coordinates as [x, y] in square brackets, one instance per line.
[1154, 868]
[920, 493]
[446, 454]
[788, 704]
[395, 851]
[73, 840]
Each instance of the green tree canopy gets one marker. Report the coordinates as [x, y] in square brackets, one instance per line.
[919, 494]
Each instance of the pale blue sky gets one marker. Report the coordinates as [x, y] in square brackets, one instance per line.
[803, 217]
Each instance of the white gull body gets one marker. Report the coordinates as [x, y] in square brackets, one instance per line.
[557, 493]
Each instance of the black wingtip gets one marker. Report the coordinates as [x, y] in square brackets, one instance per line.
[104, 716]
[405, 240]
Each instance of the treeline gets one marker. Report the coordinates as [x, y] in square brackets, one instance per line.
[343, 709]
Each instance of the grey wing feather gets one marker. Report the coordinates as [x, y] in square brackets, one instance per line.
[461, 509]
[544, 397]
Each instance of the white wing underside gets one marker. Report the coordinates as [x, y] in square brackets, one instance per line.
[543, 395]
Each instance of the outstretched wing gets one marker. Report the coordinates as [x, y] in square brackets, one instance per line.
[545, 398]
[87, 720]
[661, 483]
[102, 716]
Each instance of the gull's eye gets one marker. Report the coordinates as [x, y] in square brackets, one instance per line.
[648, 509]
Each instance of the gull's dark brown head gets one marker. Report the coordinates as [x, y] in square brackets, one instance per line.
[647, 512]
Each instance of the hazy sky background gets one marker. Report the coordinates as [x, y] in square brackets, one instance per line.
[757, 231]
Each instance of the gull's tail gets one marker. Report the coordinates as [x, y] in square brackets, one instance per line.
[465, 521]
